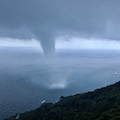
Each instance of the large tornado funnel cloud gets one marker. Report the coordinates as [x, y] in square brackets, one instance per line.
[46, 37]
[48, 47]
[47, 20]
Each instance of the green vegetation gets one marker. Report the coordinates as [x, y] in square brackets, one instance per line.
[101, 104]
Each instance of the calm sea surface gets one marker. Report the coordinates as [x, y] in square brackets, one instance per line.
[27, 77]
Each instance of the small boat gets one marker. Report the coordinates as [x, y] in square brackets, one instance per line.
[43, 101]
[115, 73]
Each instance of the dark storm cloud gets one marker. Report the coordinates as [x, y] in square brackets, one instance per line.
[46, 20]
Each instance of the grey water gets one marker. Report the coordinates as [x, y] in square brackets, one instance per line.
[27, 77]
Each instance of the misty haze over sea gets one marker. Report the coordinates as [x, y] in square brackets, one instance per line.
[27, 77]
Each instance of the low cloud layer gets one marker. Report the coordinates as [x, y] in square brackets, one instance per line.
[47, 20]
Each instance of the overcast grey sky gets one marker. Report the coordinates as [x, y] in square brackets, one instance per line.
[47, 20]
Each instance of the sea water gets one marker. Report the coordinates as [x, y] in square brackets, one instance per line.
[27, 77]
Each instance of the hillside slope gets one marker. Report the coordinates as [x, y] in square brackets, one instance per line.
[101, 104]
